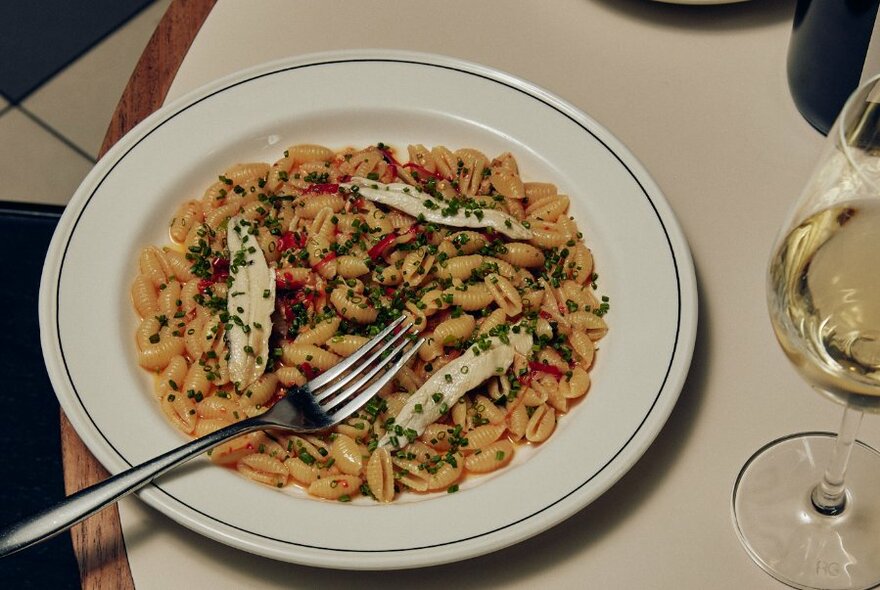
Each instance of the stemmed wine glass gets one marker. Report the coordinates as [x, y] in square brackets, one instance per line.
[794, 511]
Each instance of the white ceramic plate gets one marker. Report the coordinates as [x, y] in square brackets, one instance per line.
[361, 98]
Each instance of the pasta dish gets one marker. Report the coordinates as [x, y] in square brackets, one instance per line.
[282, 269]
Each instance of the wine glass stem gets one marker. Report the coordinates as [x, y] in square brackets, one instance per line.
[829, 496]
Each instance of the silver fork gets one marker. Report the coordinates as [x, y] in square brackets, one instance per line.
[321, 403]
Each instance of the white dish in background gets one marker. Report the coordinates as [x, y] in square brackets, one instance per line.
[700, 1]
[360, 98]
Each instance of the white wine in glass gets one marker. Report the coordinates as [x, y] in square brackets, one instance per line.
[807, 507]
[825, 300]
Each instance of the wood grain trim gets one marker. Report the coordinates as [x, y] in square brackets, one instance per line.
[158, 65]
[98, 541]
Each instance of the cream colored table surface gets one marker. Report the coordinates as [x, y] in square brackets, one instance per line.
[699, 94]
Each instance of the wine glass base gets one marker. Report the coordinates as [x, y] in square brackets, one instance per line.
[782, 531]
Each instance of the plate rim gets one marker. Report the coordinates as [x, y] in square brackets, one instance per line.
[640, 439]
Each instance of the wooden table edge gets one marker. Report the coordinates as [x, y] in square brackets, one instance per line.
[98, 542]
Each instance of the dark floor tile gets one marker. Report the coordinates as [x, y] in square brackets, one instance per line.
[30, 472]
[40, 38]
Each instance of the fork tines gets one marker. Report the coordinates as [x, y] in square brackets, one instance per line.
[345, 387]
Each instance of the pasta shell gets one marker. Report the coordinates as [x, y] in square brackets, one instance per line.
[335, 487]
[523, 255]
[494, 456]
[483, 436]
[264, 469]
[380, 475]
[231, 451]
[541, 424]
[346, 455]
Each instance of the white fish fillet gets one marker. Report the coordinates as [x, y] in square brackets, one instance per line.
[250, 303]
[447, 385]
[411, 200]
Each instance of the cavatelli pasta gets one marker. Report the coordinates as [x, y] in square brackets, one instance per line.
[455, 330]
[505, 294]
[289, 376]
[416, 267]
[343, 267]
[492, 321]
[320, 332]
[541, 424]
[380, 475]
[547, 234]
[157, 356]
[187, 215]
[470, 297]
[507, 184]
[216, 407]
[153, 266]
[467, 242]
[261, 391]
[242, 174]
[180, 411]
[335, 487]
[459, 267]
[172, 376]
[309, 152]
[548, 208]
[485, 411]
[264, 469]
[583, 347]
[346, 344]
[144, 296]
[417, 315]
[483, 436]
[302, 472]
[491, 458]
[352, 306]
[346, 454]
[214, 196]
[538, 190]
[310, 206]
[522, 255]
[349, 267]
[169, 299]
[357, 428]
[471, 166]
[296, 354]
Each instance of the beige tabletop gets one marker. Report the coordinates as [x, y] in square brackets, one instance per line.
[699, 95]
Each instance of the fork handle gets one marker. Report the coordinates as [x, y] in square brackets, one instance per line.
[84, 503]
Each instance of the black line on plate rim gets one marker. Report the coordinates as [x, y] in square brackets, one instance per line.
[529, 91]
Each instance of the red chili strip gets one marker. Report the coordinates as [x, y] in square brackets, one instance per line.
[304, 296]
[219, 269]
[323, 188]
[379, 249]
[309, 371]
[324, 261]
[392, 162]
[289, 240]
[423, 171]
[285, 282]
[539, 367]
[382, 245]
[395, 164]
